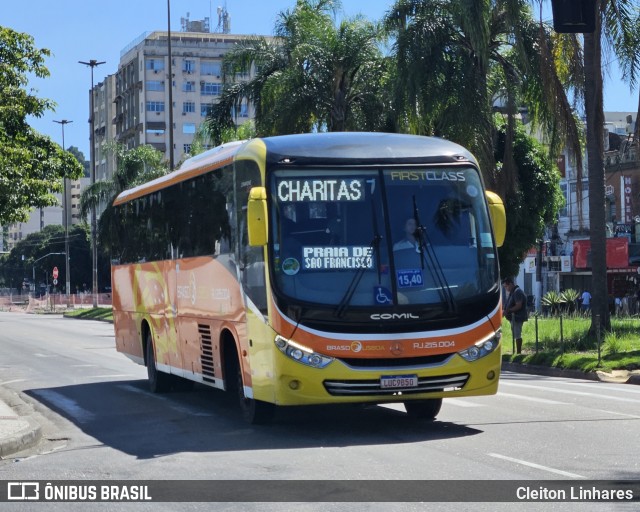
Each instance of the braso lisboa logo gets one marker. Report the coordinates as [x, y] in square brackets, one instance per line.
[188, 291]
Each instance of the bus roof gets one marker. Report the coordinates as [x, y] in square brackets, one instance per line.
[363, 148]
[336, 148]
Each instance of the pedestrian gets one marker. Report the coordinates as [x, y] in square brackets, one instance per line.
[515, 310]
[586, 301]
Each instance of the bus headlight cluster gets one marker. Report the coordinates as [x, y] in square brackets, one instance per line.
[482, 348]
[301, 354]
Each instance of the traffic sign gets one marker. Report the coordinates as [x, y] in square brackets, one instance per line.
[55, 272]
[55, 282]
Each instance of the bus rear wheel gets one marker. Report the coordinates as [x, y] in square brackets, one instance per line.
[423, 409]
[159, 382]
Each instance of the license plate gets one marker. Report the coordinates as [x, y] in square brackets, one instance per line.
[398, 381]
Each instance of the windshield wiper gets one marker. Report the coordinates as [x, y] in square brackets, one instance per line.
[374, 247]
[424, 246]
[357, 277]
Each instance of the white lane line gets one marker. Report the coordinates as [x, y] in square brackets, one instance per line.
[460, 403]
[109, 376]
[536, 466]
[37, 354]
[192, 411]
[622, 388]
[67, 405]
[532, 399]
[566, 391]
[616, 413]
[12, 381]
[84, 365]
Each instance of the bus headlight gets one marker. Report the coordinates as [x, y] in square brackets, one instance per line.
[301, 354]
[482, 348]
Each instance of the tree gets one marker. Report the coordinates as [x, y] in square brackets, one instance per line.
[535, 203]
[614, 24]
[80, 158]
[31, 165]
[134, 167]
[29, 256]
[315, 74]
[458, 60]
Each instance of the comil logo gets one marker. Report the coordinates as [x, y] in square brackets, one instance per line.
[23, 491]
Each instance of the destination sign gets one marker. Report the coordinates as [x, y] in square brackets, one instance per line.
[324, 258]
[313, 190]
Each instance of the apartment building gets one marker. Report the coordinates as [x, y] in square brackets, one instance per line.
[42, 217]
[139, 92]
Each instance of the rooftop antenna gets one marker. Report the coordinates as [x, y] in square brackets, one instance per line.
[224, 20]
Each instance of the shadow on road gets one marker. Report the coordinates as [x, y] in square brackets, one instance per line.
[126, 416]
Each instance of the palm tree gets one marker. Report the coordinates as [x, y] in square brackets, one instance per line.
[134, 167]
[313, 75]
[615, 26]
[456, 58]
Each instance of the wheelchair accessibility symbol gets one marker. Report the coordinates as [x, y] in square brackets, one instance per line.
[382, 295]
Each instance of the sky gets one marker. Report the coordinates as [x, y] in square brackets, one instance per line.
[82, 30]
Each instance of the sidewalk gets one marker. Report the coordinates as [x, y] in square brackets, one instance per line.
[19, 430]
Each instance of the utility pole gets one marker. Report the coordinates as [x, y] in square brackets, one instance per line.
[94, 245]
[65, 208]
[170, 86]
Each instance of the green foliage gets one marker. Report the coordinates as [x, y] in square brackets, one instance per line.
[456, 58]
[104, 314]
[134, 167]
[315, 75]
[536, 201]
[29, 256]
[575, 347]
[31, 165]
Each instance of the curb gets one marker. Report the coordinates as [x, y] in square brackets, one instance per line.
[548, 371]
[25, 437]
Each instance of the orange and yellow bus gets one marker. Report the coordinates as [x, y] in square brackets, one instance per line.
[314, 269]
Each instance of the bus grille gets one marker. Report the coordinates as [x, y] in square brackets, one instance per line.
[396, 362]
[206, 353]
[372, 387]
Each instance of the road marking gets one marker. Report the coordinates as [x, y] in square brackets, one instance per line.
[460, 403]
[110, 376]
[67, 405]
[84, 366]
[37, 354]
[536, 466]
[12, 381]
[192, 411]
[623, 388]
[580, 393]
[532, 399]
[617, 413]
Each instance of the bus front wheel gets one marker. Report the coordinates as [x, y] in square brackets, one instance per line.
[158, 382]
[255, 412]
[423, 409]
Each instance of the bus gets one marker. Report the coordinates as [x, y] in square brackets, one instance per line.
[320, 268]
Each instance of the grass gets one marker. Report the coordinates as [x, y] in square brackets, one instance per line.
[105, 314]
[571, 346]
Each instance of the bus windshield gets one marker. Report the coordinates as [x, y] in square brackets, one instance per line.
[381, 237]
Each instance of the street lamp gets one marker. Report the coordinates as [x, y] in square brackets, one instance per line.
[65, 207]
[33, 268]
[94, 245]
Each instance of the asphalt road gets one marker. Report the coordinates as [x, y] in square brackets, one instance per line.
[100, 422]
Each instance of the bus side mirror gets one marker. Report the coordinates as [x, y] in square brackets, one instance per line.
[257, 216]
[498, 217]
